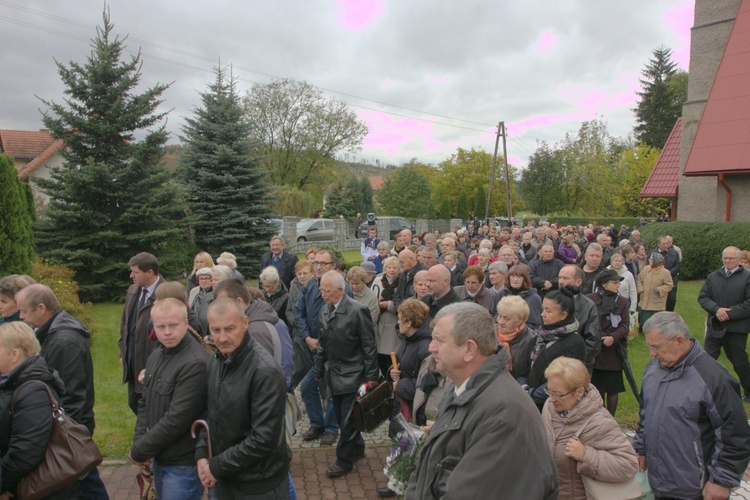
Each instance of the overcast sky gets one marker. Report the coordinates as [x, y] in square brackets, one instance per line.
[427, 76]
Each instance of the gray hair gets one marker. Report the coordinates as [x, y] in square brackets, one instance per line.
[656, 258]
[337, 280]
[270, 274]
[383, 246]
[430, 250]
[498, 266]
[276, 237]
[223, 272]
[471, 322]
[594, 246]
[669, 324]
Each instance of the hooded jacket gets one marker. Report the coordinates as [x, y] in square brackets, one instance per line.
[489, 442]
[692, 426]
[24, 437]
[276, 340]
[65, 348]
[608, 454]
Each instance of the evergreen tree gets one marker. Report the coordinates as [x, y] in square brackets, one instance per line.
[16, 238]
[340, 200]
[227, 191]
[365, 197]
[661, 103]
[462, 206]
[445, 210]
[480, 202]
[111, 198]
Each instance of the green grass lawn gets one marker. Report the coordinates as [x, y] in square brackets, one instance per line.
[115, 421]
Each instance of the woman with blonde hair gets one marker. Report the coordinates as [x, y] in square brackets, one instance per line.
[25, 434]
[200, 261]
[512, 330]
[585, 439]
[228, 259]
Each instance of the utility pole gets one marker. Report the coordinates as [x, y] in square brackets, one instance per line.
[500, 131]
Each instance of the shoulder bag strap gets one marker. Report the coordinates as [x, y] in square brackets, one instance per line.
[276, 342]
[46, 387]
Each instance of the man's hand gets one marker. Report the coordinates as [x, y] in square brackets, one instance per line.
[312, 343]
[142, 465]
[547, 285]
[608, 341]
[204, 474]
[641, 463]
[427, 426]
[384, 304]
[723, 313]
[713, 491]
[120, 362]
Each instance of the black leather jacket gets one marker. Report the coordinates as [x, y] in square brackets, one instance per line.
[347, 343]
[174, 396]
[246, 402]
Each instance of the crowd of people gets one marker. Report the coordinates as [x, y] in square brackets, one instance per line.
[509, 344]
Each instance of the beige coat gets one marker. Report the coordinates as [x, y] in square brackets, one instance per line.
[608, 453]
[653, 286]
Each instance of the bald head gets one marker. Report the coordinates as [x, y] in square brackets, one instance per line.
[438, 281]
[407, 259]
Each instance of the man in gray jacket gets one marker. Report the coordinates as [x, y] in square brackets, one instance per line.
[174, 396]
[488, 440]
[693, 434]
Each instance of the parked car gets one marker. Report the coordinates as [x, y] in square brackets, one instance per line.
[393, 226]
[315, 230]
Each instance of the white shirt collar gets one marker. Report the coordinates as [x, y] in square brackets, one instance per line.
[460, 390]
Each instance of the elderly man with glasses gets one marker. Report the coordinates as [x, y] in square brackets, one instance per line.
[693, 434]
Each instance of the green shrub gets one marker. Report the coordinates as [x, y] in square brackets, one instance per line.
[701, 243]
[60, 279]
[565, 220]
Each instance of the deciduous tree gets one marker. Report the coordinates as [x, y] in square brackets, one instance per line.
[299, 132]
[112, 198]
[406, 192]
[228, 194]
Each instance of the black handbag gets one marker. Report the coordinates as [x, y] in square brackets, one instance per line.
[374, 408]
[71, 454]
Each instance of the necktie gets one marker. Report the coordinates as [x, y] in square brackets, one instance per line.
[331, 309]
[141, 300]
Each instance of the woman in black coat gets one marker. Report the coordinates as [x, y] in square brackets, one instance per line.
[558, 336]
[614, 319]
[25, 435]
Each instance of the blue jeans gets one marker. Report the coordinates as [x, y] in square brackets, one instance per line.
[311, 397]
[177, 482]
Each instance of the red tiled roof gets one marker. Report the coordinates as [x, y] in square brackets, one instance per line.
[24, 144]
[722, 141]
[663, 179]
[39, 160]
[376, 182]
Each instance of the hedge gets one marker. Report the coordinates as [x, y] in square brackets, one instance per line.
[565, 220]
[701, 243]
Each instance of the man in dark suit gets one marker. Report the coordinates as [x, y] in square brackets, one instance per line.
[283, 261]
[347, 343]
[135, 346]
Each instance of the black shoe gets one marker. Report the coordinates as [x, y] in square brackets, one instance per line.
[385, 492]
[328, 438]
[746, 399]
[337, 471]
[312, 433]
[360, 456]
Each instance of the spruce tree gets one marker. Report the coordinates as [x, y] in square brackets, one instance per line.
[16, 238]
[111, 198]
[480, 202]
[661, 103]
[227, 191]
[365, 196]
[462, 206]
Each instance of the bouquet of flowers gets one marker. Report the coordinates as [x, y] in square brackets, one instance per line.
[404, 452]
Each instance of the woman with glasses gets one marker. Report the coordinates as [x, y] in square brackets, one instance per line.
[585, 439]
[558, 336]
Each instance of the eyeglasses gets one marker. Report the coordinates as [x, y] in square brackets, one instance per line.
[556, 395]
[656, 350]
[322, 263]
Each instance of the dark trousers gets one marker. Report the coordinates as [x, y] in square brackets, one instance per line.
[734, 347]
[92, 487]
[133, 397]
[351, 444]
[672, 298]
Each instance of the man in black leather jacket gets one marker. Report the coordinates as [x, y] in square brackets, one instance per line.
[347, 345]
[174, 396]
[586, 314]
[246, 400]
